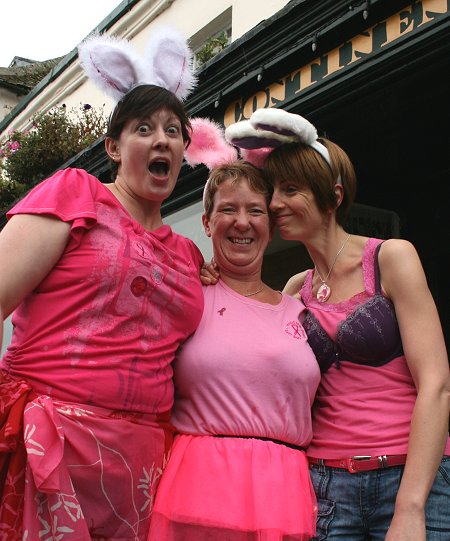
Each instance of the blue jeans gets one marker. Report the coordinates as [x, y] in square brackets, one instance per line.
[360, 506]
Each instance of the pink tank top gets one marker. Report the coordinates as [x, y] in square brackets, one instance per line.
[366, 396]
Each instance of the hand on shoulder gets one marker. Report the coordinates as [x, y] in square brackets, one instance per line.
[209, 273]
[294, 284]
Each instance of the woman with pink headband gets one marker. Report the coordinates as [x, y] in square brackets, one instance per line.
[380, 418]
[244, 386]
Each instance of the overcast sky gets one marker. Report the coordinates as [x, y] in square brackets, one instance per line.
[45, 29]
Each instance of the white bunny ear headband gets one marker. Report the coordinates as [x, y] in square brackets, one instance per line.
[269, 128]
[115, 68]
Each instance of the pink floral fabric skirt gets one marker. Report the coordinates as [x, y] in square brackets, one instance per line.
[74, 472]
[234, 489]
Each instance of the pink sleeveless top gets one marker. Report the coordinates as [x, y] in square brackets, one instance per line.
[366, 396]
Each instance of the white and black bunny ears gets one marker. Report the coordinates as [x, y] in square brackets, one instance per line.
[116, 68]
[269, 128]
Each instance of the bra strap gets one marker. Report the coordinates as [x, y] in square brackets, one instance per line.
[376, 266]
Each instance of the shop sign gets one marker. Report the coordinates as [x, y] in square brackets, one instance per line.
[373, 222]
[371, 41]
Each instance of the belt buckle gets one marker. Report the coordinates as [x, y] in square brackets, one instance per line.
[350, 462]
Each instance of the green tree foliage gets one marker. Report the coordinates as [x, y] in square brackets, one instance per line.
[211, 47]
[9, 191]
[27, 157]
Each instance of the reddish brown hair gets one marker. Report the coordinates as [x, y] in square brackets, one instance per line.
[304, 167]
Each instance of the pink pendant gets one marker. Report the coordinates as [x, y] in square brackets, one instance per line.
[323, 293]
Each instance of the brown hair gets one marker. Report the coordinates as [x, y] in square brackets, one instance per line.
[235, 171]
[304, 167]
[142, 102]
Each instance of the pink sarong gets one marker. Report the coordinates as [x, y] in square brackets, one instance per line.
[89, 473]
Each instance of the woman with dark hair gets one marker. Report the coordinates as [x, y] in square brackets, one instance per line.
[103, 294]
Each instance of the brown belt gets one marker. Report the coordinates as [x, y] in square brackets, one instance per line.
[356, 464]
[278, 442]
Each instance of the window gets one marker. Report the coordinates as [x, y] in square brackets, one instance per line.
[211, 39]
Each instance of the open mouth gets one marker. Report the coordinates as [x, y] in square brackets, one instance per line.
[159, 168]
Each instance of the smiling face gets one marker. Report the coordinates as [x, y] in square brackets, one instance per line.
[149, 154]
[239, 227]
[306, 187]
[295, 212]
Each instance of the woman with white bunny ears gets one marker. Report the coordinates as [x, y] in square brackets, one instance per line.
[380, 419]
[103, 294]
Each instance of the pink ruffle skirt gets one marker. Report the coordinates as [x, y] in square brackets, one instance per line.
[234, 489]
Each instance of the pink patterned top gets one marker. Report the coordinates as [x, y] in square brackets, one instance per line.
[103, 327]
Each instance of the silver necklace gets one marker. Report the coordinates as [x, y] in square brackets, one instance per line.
[324, 291]
[255, 293]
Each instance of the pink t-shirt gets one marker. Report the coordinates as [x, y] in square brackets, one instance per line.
[103, 327]
[247, 371]
[359, 409]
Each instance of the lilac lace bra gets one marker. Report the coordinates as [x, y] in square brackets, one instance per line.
[369, 335]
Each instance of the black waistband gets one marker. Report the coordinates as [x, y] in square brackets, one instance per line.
[278, 442]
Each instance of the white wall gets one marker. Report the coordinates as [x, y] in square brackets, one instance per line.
[248, 13]
[8, 101]
[7, 332]
[188, 222]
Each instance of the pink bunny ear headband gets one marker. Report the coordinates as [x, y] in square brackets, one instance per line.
[208, 146]
[115, 68]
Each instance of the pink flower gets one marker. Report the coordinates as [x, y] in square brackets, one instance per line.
[15, 146]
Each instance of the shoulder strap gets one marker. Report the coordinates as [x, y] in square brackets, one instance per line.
[376, 267]
[306, 289]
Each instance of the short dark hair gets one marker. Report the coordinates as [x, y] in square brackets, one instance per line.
[303, 166]
[142, 102]
[235, 171]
